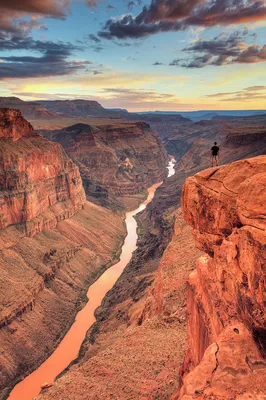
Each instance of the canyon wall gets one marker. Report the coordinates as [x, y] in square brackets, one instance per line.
[39, 184]
[53, 245]
[226, 293]
[117, 162]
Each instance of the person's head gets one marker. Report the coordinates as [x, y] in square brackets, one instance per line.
[215, 143]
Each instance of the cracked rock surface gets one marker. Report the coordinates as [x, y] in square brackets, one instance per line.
[225, 356]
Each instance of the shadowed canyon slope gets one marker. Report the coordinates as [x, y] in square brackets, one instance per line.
[226, 294]
[116, 161]
[53, 243]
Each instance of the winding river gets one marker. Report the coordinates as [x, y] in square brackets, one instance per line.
[69, 347]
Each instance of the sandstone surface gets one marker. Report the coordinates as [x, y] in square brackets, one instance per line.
[226, 293]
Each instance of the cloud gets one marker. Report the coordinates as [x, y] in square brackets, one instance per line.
[97, 49]
[139, 95]
[131, 4]
[110, 7]
[129, 58]
[94, 38]
[135, 99]
[157, 63]
[92, 3]
[12, 13]
[83, 83]
[176, 15]
[222, 50]
[126, 44]
[53, 59]
[247, 94]
[97, 46]
[51, 8]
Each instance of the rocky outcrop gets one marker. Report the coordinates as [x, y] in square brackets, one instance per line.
[116, 161]
[13, 126]
[226, 293]
[53, 244]
[39, 184]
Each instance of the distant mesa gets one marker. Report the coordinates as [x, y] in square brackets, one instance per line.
[75, 108]
[29, 109]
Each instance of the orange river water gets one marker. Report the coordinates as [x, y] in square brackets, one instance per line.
[69, 347]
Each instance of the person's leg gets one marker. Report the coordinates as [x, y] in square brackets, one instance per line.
[217, 160]
[212, 161]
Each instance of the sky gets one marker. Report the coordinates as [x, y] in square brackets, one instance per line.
[140, 55]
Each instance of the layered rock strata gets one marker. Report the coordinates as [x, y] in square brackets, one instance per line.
[39, 184]
[116, 161]
[226, 293]
[53, 244]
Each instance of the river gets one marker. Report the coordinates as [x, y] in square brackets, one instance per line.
[69, 347]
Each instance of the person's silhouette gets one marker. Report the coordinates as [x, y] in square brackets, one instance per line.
[215, 150]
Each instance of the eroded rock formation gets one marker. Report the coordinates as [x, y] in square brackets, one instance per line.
[13, 126]
[116, 161]
[226, 294]
[53, 244]
[39, 184]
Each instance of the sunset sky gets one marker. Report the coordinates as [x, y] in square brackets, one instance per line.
[136, 54]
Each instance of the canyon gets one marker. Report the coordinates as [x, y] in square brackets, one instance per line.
[117, 161]
[140, 343]
[185, 320]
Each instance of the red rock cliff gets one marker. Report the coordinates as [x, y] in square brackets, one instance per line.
[13, 126]
[226, 294]
[39, 184]
[53, 244]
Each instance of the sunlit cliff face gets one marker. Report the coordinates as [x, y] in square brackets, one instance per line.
[139, 54]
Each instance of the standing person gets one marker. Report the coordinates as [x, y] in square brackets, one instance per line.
[215, 154]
